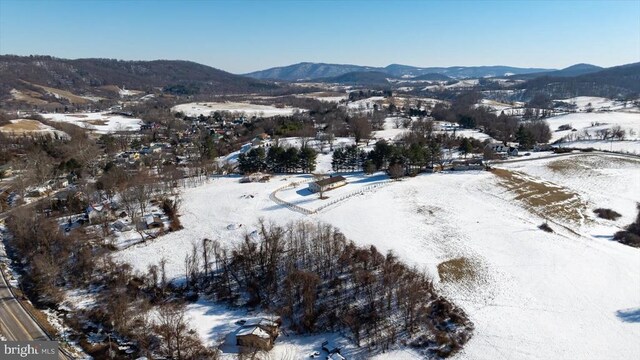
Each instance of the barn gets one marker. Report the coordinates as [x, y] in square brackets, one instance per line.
[329, 183]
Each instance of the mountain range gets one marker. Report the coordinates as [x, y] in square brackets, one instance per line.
[45, 81]
[311, 71]
[103, 77]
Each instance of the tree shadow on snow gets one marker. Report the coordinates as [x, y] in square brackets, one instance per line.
[629, 315]
[304, 192]
[370, 179]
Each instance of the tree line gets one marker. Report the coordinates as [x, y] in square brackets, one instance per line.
[278, 159]
[418, 149]
[463, 111]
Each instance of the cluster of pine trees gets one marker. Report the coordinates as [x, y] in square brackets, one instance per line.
[411, 158]
[349, 158]
[278, 160]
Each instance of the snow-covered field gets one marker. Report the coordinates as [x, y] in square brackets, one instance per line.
[365, 104]
[584, 121]
[587, 126]
[466, 83]
[325, 96]
[99, 122]
[572, 294]
[208, 108]
[604, 182]
[584, 103]
[391, 131]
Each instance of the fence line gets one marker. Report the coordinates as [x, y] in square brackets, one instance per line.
[353, 193]
[305, 211]
[289, 205]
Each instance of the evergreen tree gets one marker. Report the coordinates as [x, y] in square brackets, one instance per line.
[525, 137]
[252, 161]
[307, 158]
[465, 147]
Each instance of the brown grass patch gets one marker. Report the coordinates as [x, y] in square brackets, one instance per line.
[112, 88]
[22, 126]
[564, 166]
[457, 270]
[543, 198]
[73, 98]
[79, 116]
[97, 122]
[575, 164]
[27, 96]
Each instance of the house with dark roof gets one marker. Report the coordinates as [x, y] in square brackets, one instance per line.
[327, 184]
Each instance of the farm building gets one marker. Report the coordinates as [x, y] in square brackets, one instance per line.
[468, 164]
[329, 183]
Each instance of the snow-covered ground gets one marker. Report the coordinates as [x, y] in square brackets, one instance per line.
[208, 108]
[596, 178]
[497, 106]
[99, 122]
[325, 96]
[573, 294]
[627, 146]
[466, 83]
[587, 126]
[392, 129]
[471, 133]
[365, 104]
[584, 103]
[216, 324]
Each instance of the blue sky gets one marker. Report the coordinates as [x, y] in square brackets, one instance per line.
[242, 36]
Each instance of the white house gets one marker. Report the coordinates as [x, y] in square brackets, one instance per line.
[500, 148]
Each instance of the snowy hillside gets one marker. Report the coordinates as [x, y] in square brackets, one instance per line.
[208, 108]
[572, 294]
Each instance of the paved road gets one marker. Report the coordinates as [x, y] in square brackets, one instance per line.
[15, 322]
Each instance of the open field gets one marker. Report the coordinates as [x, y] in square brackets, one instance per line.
[29, 127]
[587, 126]
[602, 182]
[99, 122]
[531, 294]
[328, 96]
[27, 96]
[208, 108]
[58, 93]
[593, 103]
